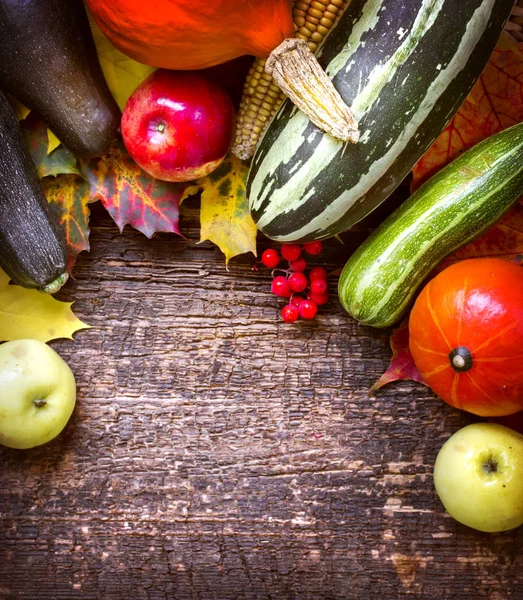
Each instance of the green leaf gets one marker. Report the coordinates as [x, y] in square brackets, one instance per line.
[59, 161]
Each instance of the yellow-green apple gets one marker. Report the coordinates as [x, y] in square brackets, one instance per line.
[37, 393]
[178, 125]
[479, 477]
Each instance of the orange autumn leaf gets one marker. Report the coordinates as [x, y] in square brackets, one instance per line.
[494, 103]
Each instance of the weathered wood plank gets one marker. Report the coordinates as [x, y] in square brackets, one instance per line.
[216, 453]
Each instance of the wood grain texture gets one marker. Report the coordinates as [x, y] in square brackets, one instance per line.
[218, 454]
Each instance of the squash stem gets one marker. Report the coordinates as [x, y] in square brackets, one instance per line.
[299, 75]
[54, 286]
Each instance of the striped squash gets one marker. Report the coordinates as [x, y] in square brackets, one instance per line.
[405, 67]
[380, 279]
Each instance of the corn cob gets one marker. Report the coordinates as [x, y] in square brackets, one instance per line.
[313, 19]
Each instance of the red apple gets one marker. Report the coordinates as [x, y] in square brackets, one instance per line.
[178, 125]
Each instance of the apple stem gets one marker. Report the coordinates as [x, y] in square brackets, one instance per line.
[40, 402]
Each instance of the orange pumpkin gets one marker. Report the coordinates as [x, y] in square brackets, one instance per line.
[466, 336]
[180, 34]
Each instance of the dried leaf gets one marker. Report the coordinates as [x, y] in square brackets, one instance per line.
[31, 314]
[402, 365]
[58, 161]
[130, 195]
[494, 103]
[123, 75]
[68, 196]
[225, 217]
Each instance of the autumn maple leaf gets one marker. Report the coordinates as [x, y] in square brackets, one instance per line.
[130, 195]
[225, 218]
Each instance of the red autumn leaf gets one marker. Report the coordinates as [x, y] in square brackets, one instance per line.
[402, 365]
[494, 103]
[130, 195]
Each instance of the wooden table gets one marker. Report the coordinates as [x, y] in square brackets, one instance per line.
[217, 453]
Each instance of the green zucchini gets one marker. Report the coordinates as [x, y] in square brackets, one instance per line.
[380, 279]
[33, 251]
[404, 67]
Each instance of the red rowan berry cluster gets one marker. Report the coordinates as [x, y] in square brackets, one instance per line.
[305, 292]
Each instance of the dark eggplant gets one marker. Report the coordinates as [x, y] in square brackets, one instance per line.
[48, 61]
[33, 251]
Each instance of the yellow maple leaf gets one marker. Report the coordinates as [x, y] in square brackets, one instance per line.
[52, 141]
[21, 111]
[123, 75]
[225, 218]
[28, 314]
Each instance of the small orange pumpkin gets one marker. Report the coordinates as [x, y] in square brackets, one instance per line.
[466, 336]
[184, 35]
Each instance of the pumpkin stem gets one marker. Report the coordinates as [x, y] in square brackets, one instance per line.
[461, 359]
[299, 75]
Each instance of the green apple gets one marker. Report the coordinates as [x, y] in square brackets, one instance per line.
[479, 477]
[37, 393]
